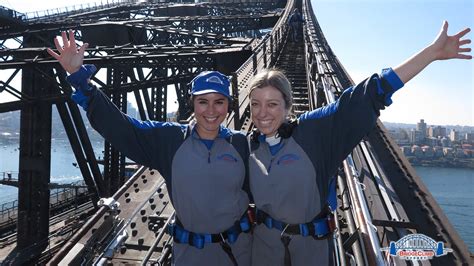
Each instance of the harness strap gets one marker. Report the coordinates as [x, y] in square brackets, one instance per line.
[182, 235]
[320, 227]
[196, 240]
[228, 250]
[286, 242]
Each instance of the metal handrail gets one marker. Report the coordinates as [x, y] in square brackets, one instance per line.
[321, 73]
[67, 10]
[57, 198]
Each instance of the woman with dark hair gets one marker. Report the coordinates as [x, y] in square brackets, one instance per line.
[204, 164]
[291, 163]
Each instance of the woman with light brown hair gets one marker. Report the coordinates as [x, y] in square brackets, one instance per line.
[292, 162]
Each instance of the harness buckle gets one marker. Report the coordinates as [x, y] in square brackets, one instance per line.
[223, 238]
[251, 215]
[283, 232]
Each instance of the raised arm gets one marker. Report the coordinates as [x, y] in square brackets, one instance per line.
[443, 47]
[149, 143]
[69, 56]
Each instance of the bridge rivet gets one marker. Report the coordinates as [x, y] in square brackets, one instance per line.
[123, 250]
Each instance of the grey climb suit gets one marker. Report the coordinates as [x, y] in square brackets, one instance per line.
[205, 185]
[292, 184]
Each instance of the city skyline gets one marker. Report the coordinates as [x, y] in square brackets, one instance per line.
[381, 34]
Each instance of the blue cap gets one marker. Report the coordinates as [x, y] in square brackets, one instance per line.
[210, 81]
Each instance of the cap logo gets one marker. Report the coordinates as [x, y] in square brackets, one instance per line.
[215, 79]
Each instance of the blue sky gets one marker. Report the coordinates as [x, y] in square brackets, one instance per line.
[367, 36]
[370, 35]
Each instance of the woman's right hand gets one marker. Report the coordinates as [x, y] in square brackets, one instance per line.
[70, 57]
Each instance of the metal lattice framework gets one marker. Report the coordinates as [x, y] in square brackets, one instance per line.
[150, 49]
[146, 48]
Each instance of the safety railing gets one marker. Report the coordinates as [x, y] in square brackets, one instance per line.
[58, 198]
[11, 14]
[69, 10]
[9, 176]
[322, 81]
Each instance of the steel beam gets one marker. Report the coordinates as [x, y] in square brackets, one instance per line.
[35, 163]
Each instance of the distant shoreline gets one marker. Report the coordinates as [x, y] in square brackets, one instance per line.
[16, 139]
[443, 163]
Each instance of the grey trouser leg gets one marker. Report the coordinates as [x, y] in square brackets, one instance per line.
[268, 249]
[213, 254]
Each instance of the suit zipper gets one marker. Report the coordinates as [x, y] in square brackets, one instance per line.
[270, 166]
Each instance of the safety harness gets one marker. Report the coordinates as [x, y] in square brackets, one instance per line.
[319, 228]
[229, 236]
[225, 238]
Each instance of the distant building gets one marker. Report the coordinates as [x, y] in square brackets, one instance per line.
[400, 136]
[459, 153]
[437, 131]
[132, 111]
[469, 153]
[445, 142]
[454, 135]
[448, 152]
[421, 126]
[469, 136]
[432, 141]
[406, 150]
[427, 151]
[172, 117]
[416, 136]
[417, 151]
[438, 151]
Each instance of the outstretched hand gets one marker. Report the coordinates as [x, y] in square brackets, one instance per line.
[449, 47]
[70, 57]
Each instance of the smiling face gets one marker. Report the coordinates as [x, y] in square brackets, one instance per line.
[268, 109]
[210, 111]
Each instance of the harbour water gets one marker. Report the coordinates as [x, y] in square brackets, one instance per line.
[62, 168]
[452, 188]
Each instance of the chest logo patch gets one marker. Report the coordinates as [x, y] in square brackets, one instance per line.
[288, 159]
[227, 157]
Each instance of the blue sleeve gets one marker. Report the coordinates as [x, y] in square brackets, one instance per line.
[149, 143]
[387, 83]
[80, 81]
[330, 133]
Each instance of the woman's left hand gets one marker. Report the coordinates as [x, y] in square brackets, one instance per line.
[449, 47]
